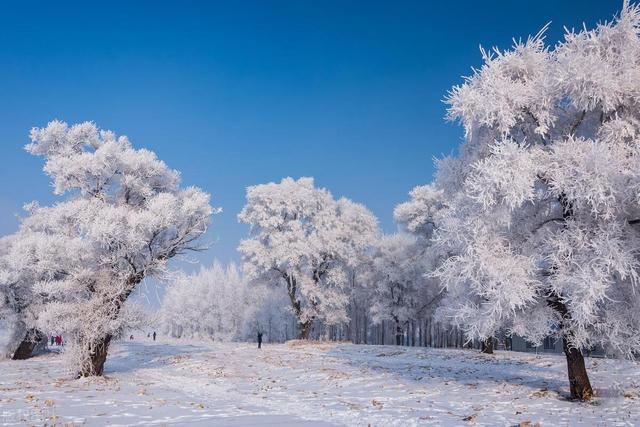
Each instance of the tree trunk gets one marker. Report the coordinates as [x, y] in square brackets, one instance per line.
[579, 384]
[305, 329]
[398, 334]
[487, 346]
[412, 336]
[98, 357]
[29, 342]
[366, 329]
[98, 351]
[292, 289]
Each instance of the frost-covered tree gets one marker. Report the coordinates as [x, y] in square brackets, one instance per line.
[209, 303]
[427, 210]
[16, 300]
[544, 213]
[218, 303]
[268, 312]
[14, 297]
[26, 258]
[303, 239]
[126, 212]
[401, 288]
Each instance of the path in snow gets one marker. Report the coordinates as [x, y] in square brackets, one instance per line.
[236, 384]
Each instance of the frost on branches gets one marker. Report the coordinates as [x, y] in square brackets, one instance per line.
[303, 239]
[544, 197]
[126, 215]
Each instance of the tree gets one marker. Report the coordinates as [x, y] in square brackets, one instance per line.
[215, 302]
[266, 312]
[543, 198]
[129, 217]
[14, 298]
[27, 258]
[421, 216]
[15, 302]
[218, 303]
[303, 239]
[402, 291]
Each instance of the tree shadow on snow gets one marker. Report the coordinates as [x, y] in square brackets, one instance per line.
[462, 366]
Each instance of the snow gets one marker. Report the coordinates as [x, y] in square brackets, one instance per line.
[235, 384]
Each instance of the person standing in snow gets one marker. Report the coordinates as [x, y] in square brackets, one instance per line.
[259, 339]
[154, 335]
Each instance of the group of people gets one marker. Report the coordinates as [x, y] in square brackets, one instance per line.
[57, 340]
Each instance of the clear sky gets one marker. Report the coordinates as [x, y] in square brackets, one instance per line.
[236, 93]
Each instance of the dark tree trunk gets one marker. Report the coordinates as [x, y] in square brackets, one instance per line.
[579, 384]
[29, 342]
[305, 329]
[398, 334]
[487, 346]
[97, 359]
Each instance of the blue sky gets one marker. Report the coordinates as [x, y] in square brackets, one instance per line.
[239, 93]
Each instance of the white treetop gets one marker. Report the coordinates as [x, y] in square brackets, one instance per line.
[302, 238]
[128, 216]
[420, 215]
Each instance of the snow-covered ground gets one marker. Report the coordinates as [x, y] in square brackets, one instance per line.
[235, 384]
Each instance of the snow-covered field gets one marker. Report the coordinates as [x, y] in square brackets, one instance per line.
[235, 384]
